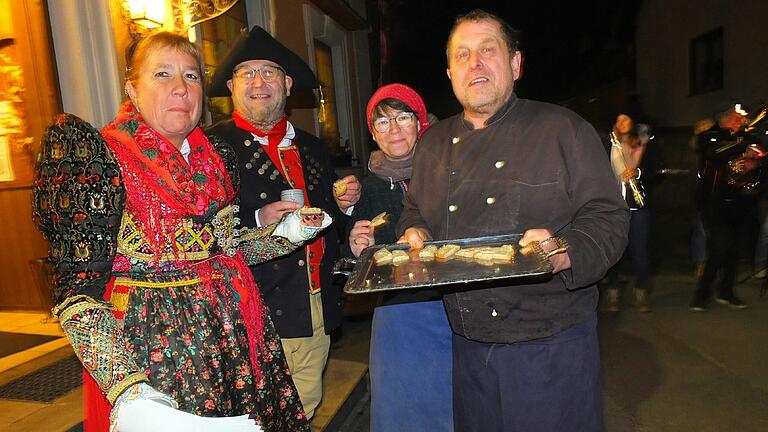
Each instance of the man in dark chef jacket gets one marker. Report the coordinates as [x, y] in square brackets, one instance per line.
[525, 353]
[259, 73]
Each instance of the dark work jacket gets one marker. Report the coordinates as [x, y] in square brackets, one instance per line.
[284, 282]
[534, 165]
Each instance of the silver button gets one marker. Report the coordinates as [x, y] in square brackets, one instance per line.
[301, 263]
[453, 208]
[494, 313]
[261, 171]
[247, 143]
[279, 312]
[248, 165]
[263, 195]
[490, 200]
[500, 164]
[456, 140]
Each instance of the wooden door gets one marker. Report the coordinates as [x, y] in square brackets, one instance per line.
[29, 98]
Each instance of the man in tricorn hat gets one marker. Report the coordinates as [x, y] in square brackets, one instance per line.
[274, 156]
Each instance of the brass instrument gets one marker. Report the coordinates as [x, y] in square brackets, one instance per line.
[631, 183]
[752, 124]
[737, 176]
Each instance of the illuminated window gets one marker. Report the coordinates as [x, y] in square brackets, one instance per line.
[218, 35]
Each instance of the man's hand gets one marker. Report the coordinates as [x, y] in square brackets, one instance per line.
[273, 212]
[415, 237]
[351, 196]
[361, 237]
[560, 261]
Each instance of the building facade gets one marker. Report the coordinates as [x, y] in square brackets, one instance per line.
[67, 56]
[693, 57]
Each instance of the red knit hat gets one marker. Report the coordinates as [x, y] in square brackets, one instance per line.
[404, 94]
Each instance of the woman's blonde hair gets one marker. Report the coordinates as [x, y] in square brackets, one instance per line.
[140, 49]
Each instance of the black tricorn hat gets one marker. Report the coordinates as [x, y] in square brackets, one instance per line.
[260, 45]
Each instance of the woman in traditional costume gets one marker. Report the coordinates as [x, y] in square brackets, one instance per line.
[152, 285]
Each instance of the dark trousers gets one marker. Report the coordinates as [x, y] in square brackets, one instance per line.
[544, 385]
[637, 249]
[727, 223]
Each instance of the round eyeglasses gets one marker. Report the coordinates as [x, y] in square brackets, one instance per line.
[268, 73]
[403, 120]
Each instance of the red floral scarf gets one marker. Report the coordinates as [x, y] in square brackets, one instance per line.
[162, 188]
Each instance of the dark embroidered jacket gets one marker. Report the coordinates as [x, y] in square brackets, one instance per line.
[284, 282]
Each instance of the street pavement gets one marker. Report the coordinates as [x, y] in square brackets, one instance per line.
[676, 370]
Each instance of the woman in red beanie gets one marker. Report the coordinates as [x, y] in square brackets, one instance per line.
[410, 355]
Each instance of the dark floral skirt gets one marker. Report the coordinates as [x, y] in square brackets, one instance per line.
[192, 342]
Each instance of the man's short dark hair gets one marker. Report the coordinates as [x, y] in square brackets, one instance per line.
[510, 35]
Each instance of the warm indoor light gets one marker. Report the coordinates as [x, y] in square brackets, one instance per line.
[147, 13]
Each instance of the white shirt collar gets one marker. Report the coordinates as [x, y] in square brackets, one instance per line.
[185, 149]
[290, 134]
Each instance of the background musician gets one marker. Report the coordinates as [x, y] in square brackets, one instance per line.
[631, 160]
[730, 178]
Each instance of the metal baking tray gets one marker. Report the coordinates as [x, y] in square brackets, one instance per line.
[367, 277]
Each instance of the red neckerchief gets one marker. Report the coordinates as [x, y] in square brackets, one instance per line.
[274, 136]
[288, 161]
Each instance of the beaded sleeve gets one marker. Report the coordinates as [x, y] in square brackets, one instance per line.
[257, 244]
[78, 204]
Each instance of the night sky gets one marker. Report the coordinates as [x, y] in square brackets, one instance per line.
[568, 46]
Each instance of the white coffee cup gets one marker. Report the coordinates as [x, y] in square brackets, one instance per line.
[293, 195]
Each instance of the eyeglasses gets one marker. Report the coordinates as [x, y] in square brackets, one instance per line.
[403, 120]
[268, 73]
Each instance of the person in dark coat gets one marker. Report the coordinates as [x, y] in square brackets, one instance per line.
[525, 354]
[273, 156]
[728, 190]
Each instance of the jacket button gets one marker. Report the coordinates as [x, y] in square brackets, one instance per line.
[301, 263]
[500, 164]
[490, 200]
[263, 195]
[279, 312]
[453, 208]
[456, 140]
[275, 266]
[247, 143]
[277, 289]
